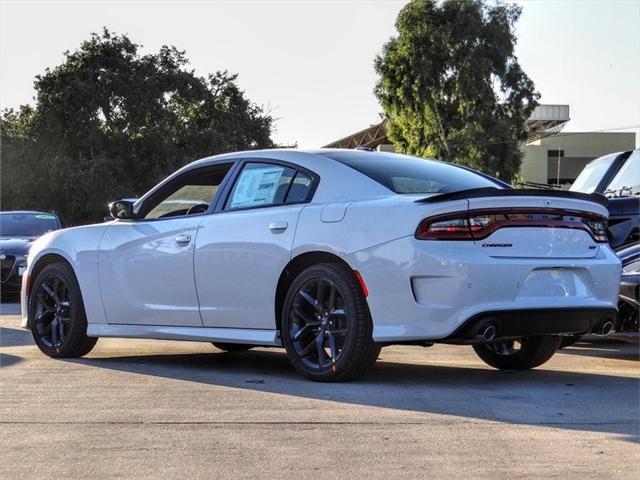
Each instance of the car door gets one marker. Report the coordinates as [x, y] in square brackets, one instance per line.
[146, 264]
[242, 249]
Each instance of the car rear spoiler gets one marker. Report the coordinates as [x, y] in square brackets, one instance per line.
[515, 192]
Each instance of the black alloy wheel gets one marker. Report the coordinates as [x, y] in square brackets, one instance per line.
[319, 325]
[52, 310]
[326, 327]
[56, 313]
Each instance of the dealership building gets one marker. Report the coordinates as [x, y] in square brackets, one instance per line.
[551, 156]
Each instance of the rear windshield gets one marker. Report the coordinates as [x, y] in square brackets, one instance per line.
[27, 224]
[592, 174]
[628, 178]
[411, 175]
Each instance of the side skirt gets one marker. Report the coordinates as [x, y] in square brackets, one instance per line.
[269, 338]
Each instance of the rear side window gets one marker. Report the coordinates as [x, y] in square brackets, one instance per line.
[406, 175]
[300, 188]
[260, 184]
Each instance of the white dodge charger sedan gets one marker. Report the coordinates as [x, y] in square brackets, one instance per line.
[331, 254]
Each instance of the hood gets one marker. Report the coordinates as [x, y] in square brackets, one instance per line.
[15, 245]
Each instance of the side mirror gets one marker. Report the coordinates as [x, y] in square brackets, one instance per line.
[121, 209]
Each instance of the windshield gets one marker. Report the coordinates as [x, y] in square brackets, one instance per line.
[629, 175]
[411, 175]
[27, 224]
[592, 174]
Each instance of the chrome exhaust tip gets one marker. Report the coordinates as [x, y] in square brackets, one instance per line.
[607, 328]
[488, 333]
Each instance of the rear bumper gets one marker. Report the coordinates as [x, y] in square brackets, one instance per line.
[526, 323]
[428, 290]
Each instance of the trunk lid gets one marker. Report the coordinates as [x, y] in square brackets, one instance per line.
[515, 223]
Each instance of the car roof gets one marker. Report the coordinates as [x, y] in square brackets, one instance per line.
[23, 212]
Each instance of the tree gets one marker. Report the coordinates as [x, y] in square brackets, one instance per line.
[451, 86]
[110, 122]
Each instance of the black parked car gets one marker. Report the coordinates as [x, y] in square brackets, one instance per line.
[628, 321]
[18, 230]
[618, 177]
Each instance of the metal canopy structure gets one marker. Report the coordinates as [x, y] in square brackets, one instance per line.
[546, 120]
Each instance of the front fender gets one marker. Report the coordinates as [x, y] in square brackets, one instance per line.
[79, 247]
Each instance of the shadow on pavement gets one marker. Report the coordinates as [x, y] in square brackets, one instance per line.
[13, 337]
[567, 400]
[604, 349]
[8, 360]
[9, 308]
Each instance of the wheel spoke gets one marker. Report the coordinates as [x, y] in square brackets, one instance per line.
[309, 347]
[54, 331]
[320, 348]
[332, 298]
[309, 299]
[42, 314]
[56, 289]
[321, 294]
[332, 347]
[49, 291]
[303, 316]
[299, 333]
[61, 328]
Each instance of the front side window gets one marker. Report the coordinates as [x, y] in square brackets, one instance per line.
[189, 194]
[260, 184]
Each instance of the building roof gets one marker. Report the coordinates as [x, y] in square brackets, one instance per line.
[544, 121]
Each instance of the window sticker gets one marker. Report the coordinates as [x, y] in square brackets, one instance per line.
[45, 217]
[256, 186]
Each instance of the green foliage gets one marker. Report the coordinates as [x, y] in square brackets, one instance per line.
[110, 122]
[451, 86]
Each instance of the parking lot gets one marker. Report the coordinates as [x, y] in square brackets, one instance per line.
[155, 409]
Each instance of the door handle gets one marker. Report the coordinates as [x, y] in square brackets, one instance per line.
[183, 239]
[278, 227]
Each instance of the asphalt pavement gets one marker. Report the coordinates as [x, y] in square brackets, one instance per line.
[155, 409]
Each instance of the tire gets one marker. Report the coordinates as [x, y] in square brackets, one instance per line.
[570, 340]
[337, 318]
[533, 352]
[56, 313]
[232, 347]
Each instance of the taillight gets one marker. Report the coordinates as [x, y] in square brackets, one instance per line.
[446, 229]
[476, 225]
[598, 228]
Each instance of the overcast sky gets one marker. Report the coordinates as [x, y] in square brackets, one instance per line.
[311, 63]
